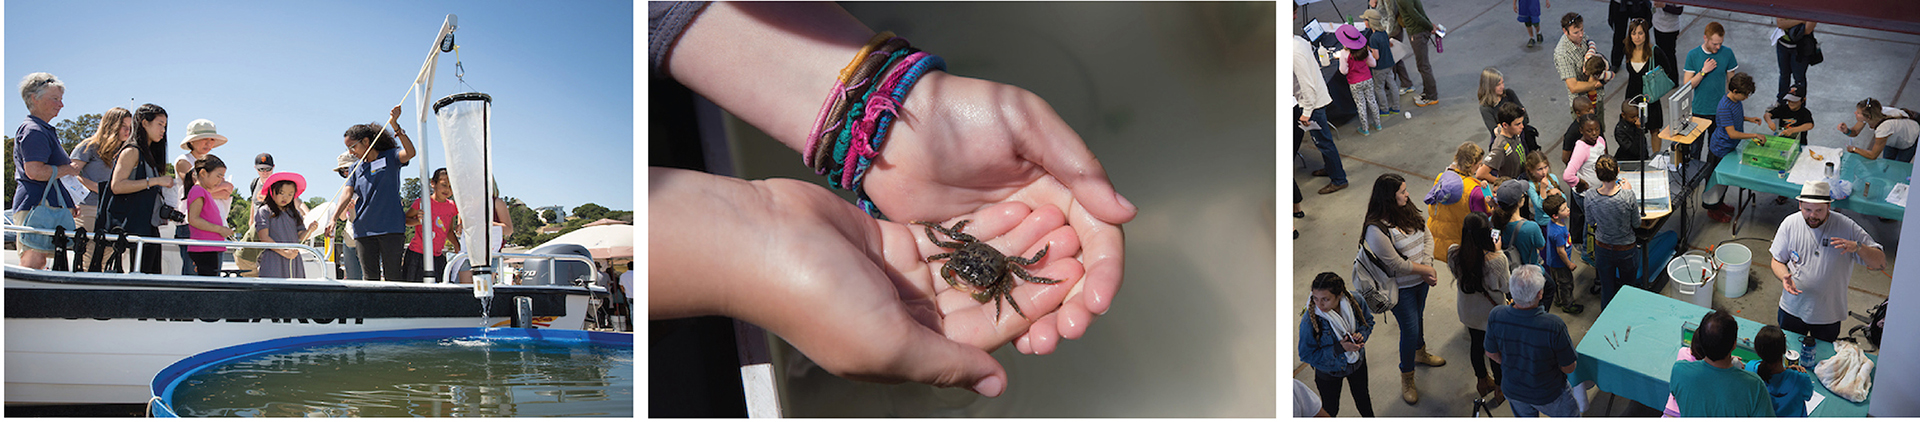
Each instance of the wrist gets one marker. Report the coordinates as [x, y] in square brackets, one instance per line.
[776, 81]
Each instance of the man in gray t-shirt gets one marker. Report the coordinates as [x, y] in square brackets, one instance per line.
[1813, 256]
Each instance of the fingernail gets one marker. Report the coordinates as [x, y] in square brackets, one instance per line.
[1125, 203]
[992, 386]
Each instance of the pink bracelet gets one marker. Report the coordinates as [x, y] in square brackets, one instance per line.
[863, 131]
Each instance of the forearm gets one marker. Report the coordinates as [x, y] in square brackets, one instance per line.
[39, 171]
[771, 64]
[1780, 270]
[1798, 129]
[223, 190]
[698, 226]
[406, 146]
[1495, 357]
[1876, 258]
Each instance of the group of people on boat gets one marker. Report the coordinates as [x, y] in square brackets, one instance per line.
[130, 189]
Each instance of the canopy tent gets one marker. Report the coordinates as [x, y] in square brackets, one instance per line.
[604, 242]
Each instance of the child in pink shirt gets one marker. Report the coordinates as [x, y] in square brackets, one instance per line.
[204, 221]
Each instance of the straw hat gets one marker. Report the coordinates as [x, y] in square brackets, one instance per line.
[202, 129]
[346, 160]
[299, 183]
[1373, 19]
[1350, 37]
[1816, 193]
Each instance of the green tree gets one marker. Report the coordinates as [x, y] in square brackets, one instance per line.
[526, 224]
[237, 217]
[410, 190]
[315, 201]
[590, 212]
[77, 129]
[548, 215]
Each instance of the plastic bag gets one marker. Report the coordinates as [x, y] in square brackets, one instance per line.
[1849, 374]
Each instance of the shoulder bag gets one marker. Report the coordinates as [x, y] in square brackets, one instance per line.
[1370, 279]
[48, 217]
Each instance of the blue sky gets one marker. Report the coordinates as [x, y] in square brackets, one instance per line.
[288, 78]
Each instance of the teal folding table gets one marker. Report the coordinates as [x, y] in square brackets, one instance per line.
[1865, 199]
[1637, 365]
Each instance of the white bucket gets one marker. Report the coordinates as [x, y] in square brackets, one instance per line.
[1734, 259]
[1686, 270]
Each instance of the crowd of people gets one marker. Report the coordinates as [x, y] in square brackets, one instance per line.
[1512, 231]
[130, 189]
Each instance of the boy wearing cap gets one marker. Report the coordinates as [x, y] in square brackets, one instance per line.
[1814, 251]
[1790, 118]
[1518, 233]
[248, 260]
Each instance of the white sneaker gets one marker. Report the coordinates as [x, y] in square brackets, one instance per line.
[1405, 91]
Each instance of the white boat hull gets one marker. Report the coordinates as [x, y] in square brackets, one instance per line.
[63, 348]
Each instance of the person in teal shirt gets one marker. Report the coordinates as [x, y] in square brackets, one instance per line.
[1707, 67]
[1789, 386]
[1518, 232]
[1714, 386]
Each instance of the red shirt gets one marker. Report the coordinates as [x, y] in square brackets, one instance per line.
[443, 213]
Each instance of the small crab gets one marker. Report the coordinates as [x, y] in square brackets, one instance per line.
[988, 274]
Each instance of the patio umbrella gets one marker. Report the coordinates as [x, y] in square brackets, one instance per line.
[604, 242]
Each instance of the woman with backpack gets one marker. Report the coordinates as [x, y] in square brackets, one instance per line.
[1333, 336]
[1894, 130]
[1480, 270]
[1396, 233]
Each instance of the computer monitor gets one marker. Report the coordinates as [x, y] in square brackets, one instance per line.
[1679, 109]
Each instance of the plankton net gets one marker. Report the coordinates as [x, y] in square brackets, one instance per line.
[466, 133]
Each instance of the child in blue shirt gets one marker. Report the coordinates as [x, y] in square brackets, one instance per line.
[1560, 265]
[1729, 127]
[1789, 386]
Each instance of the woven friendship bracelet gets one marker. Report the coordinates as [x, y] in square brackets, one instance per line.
[899, 94]
[836, 154]
[881, 103]
[844, 98]
[852, 77]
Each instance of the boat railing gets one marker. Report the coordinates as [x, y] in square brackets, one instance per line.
[140, 244]
[453, 269]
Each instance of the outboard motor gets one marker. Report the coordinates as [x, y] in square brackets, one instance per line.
[552, 272]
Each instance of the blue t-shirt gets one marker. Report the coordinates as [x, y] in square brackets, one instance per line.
[1556, 236]
[1714, 85]
[1790, 390]
[1378, 41]
[1731, 114]
[1533, 346]
[377, 210]
[1525, 235]
[35, 141]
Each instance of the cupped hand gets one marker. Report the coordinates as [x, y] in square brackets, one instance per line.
[858, 297]
[963, 144]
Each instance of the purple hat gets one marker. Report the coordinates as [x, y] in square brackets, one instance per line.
[1350, 37]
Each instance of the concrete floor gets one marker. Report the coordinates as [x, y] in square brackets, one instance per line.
[1178, 102]
[1862, 63]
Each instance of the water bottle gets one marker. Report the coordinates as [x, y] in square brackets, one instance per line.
[1806, 352]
